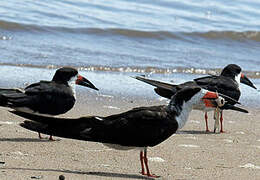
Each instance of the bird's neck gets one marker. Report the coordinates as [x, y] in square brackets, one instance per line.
[237, 79]
[181, 112]
[183, 108]
[72, 85]
[183, 116]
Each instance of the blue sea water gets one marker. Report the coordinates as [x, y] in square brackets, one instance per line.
[112, 40]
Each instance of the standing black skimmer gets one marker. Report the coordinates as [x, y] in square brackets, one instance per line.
[140, 127]
[46, 97]
[227, 83]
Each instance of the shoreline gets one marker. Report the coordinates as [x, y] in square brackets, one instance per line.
[117, 85]
[189, 154]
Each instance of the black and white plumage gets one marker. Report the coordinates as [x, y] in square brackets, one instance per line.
[227, 83]
[140, 127]
[46, 97]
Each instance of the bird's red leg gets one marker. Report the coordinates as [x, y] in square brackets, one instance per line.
[146, 165]
[51, 138]
[40, 137]
[206, 120]
[142, 162]
[221, 122]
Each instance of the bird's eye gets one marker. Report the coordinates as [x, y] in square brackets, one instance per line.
[222, 101]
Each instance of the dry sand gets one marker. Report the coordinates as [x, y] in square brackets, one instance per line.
[189, 154]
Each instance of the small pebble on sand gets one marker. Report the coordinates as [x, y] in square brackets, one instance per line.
[61, 177]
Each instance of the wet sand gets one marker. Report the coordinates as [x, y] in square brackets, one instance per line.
[189, 154]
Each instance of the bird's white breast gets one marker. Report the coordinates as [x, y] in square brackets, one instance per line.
[187, 107]
[237, 79]
[124, 148]
[72, 84]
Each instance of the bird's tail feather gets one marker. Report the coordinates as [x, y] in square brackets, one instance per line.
[158, 84]
[3, 100]
[61, 127]
[6, 96]
[10, 91]
[163, 89]
[64, 131]
[43, 119]
[35, 126]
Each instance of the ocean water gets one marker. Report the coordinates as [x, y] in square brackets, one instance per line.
[112, 40]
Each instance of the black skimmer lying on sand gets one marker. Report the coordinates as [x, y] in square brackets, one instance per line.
[140, 127]
[227, 83]
[46, 97]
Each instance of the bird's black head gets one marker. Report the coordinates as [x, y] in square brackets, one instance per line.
[231, 70]
[185, 94]
[182, 96]
[64, 74]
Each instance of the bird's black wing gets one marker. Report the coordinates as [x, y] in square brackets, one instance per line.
[221, 84]
[48, 87]
[43, 97]
[146, 126]
[10, 91]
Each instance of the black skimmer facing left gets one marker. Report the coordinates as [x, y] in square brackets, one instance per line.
[46, 97]
[140, 127]
[227, 83]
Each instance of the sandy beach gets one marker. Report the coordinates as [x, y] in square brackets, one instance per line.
[189, 154]
[111, 43]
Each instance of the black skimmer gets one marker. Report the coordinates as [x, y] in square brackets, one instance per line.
[227, 83]
[46, 97]
[140, 127]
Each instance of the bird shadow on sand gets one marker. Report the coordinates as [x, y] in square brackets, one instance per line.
[195, 132]
[92, 173]
[24, 140]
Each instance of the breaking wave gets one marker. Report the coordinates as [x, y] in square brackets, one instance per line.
[141, 70]
[234, 35]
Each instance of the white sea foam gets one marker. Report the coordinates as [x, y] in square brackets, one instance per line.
[196, 122]
[240, 132]
[188, 145]
[111, 107]
[8, 122]
[256, 146]
[97, 150]
[104, 165]
[156, 159]
[18, 153]
[231, 122]
[250, 165]
[228, 140]
[191, 137]
[162, 99]
[106, 96]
